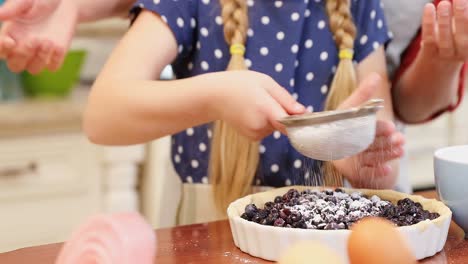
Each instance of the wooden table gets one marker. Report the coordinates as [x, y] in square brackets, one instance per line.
[212, 243]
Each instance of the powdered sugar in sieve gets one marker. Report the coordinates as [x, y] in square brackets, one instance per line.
[333, 135]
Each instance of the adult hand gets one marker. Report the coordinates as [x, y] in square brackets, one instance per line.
[36, 33]
[445, 31]
[372, 168]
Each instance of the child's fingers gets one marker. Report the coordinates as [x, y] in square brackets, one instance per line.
[281, 128]
[257, 135]
[259, 128]
[20, 56]
[279, 104]
[384, 128]
[373, 158]
[444, 19]
[386, 142]
[285, 99]
[6, 46]
[14, 8]
[365, 91]
[460, 11]
[381, 170]
[276, 112]
[41, 58]
[429, 37]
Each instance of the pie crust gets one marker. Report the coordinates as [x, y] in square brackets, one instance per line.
[425, 238]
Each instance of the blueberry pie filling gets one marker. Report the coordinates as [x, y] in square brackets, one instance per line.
[333, 210]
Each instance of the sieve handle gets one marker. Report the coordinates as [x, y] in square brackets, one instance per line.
[373, 102]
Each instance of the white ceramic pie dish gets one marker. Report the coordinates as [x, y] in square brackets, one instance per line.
[425, 239]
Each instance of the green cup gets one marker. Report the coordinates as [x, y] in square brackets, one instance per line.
[55, 84]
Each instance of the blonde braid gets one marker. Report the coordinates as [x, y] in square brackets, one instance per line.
[234, 158]
[344, 83]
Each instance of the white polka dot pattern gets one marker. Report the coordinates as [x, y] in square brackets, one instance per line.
[289, 41]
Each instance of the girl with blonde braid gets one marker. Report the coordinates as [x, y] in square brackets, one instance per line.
[282, 58]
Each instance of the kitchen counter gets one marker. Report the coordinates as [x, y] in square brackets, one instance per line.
[212, 243]
[37, 116]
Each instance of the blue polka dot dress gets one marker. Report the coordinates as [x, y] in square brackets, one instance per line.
[288, 40]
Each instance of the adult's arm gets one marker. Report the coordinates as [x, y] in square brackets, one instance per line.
[430, 80]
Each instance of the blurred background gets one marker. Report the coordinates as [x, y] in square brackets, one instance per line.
[52, 178]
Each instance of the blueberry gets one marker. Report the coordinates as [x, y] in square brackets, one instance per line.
[402, 202]
[331, 226]
[296, 216]
[257, 218]
[263, 213]
[279, 222]
[286, 211]
[355, 196]
[331, 199]
[418, 218]
[251, 210]
[293, 201]
[244, 216]
[300, 224]
[282, 215]
[269, 205]
[328, 192]
[408, 201]
[270, 220]
[413, 210]
[292, 193]
[338, 190]
[321, 226]
[409, 219]
[425, 214]
[278, 199]
[433, 216]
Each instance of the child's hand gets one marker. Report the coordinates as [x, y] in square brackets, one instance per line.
[439, 38]
[252, 102]
[370, 168]
[36, 33]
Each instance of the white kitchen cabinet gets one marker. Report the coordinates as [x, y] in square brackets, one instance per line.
[48, 185]
[52, 178]
[120, 171]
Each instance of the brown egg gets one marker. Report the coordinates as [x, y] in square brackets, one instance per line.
[375, 240]
[308, 252]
